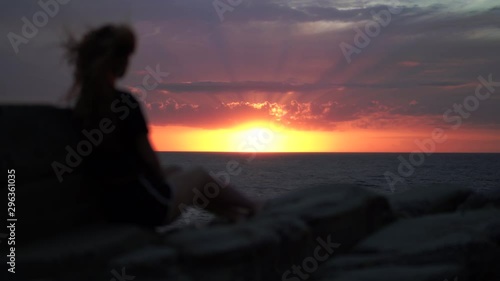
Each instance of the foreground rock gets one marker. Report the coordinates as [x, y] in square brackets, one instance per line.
[262, 248]
[85, 250]
[455, 240]
[33, 138]
[395, 273]
[428, 200]
[285, 243]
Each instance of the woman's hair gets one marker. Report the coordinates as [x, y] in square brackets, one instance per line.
[101, 52]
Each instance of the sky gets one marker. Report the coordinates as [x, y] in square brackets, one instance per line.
[282, 76]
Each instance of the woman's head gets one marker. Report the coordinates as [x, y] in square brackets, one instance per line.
[99, 58]
[105, 50]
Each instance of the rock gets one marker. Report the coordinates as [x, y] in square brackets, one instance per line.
[483, 199]
[84, 250]
[428, 200]
[430, 233]
[346, 213]
[63, 206]
[282, 235]
[52, 129]
[396, 273]
[152, 261]
[462, 239]
[295, 239]
[467, 242]
[235, 252]
[37, 137]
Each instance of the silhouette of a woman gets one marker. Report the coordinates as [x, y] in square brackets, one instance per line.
[132, 185]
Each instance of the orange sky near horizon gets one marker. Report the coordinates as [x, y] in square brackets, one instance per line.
[260, 137]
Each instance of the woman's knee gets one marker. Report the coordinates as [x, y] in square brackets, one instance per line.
[196, 178]
[193, 178]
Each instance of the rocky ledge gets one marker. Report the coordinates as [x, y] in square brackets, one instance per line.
[337, 232]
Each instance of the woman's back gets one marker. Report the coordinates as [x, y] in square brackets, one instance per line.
[114, 156]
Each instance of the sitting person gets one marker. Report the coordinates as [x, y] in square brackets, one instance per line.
[123, 168]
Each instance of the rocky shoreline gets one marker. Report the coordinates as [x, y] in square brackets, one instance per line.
[321, 233]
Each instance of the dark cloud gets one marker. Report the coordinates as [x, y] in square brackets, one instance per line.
[284, 87]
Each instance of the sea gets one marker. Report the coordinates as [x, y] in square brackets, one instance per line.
[266, 175]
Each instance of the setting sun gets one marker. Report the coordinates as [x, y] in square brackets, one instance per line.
[271, 137]
[248, 137]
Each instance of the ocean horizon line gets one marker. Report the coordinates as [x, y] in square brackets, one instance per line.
[319, 152]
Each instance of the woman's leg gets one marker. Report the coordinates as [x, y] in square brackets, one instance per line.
[197, 188]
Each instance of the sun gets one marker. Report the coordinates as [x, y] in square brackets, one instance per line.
[262, 136]
[254, 137]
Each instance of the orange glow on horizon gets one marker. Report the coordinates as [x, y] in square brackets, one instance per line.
[248, 137]
[266, 137]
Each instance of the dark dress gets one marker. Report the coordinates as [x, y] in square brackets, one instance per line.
[140, 199]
